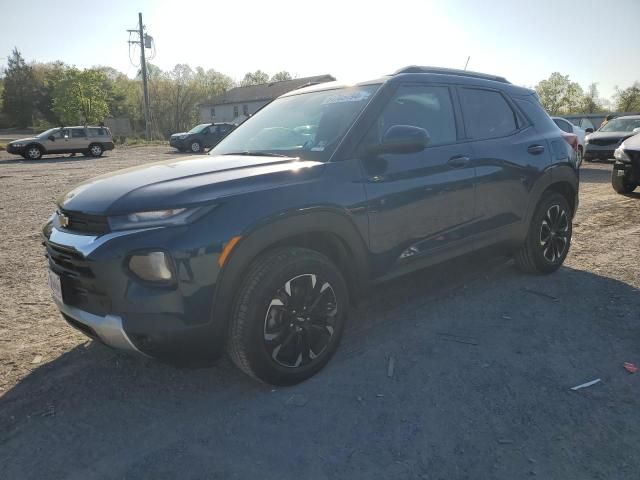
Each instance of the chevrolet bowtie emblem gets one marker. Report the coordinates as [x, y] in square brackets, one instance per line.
[63, 220]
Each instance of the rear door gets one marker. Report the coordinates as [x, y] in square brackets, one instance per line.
[418, 202]
[78, 139]
[508, 155]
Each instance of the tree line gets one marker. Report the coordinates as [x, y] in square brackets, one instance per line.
[561, 96]
[42, 95]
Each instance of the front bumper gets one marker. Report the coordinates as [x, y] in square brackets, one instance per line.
[107, 329]
[104, 300]
[15, 150]
[600, 152]
[178, 143]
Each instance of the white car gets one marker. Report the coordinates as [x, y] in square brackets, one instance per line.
[566, 126]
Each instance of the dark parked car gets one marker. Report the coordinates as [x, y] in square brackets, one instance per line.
[625, 176]
[601, 144]
[261, 246]
[202, 136]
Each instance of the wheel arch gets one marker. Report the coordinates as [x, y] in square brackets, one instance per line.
[35, 144]
[326, 231]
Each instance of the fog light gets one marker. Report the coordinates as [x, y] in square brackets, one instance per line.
[152, 266]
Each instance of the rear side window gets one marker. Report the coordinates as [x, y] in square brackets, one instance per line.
[97, 132]
[78, 133]
[487, 114]
[427, 107]
[564, 126]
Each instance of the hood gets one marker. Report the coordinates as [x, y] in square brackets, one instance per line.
[633, 143]
[185, 181]
[180, 133]
[609, 135]
[24, 140]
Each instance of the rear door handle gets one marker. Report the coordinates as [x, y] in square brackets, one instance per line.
[535, 149]
[459, 161]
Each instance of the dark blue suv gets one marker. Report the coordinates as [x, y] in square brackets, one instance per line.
[259, 247]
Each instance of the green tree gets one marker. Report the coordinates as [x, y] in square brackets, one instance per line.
[46, 76]
[80, 96]
[254, 78]
[281, 76]
[628, 100]
[559, 95]
[19, 92]
[591, 102]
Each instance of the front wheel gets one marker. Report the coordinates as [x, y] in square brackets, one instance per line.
[196, 147]
[33, 152]
[288, 316]
[549, 237]
[621, 183]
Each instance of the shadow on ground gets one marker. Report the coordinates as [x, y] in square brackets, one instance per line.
[484, 358]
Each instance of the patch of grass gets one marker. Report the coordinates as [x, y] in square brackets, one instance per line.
[129, 142]
[3, 146]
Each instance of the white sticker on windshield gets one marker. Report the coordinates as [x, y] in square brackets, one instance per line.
[356, 96]
[320, 146]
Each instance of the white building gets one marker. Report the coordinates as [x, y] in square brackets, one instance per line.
[237, 104]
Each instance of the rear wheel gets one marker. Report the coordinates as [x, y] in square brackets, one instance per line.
[95, 150]
[549, 237]
[622, 183]
[288, 316]
[33, 152]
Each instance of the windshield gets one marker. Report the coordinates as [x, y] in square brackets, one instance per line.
[621, 125]
[49, 132]
[199, 128]
[309, 125]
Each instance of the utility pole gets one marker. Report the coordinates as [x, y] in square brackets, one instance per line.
[143, 66]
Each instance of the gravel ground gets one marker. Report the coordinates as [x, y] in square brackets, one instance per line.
[483, 361]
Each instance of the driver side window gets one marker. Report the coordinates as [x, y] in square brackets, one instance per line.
[427, 107]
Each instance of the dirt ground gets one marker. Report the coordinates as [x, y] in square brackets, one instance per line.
[484, 358]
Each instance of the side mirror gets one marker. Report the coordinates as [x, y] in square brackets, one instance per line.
[588, 130]
[636, 130]
[52, 138]
[403, 139]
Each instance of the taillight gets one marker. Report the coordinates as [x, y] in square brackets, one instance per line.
[571, 139]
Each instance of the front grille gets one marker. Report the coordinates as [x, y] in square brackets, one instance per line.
[603, 142]
[86, 223]
[77, 279]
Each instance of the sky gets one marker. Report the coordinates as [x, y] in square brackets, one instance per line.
[352, 40]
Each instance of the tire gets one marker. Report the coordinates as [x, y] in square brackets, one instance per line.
[621, 184]
[549, 237]
[580, 155]
[195, 147]
[33, 152]
[96, 150]
[288, 316]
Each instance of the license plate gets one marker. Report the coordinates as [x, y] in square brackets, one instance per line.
[55, 286]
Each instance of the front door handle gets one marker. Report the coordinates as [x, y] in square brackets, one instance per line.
[459, 161]
[535, 149]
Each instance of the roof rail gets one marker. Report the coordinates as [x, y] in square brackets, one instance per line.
[450, 71]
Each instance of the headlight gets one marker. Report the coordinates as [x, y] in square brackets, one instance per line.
[19, 145]
[620, 154]
[586, 139]
[182, 137]
[158, 218]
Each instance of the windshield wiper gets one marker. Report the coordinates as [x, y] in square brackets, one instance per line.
[257, 153]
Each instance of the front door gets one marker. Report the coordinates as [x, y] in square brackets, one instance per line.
[56, 142]
[418, 202]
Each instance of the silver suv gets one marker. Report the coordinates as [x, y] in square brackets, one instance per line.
[91, 141]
